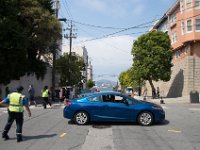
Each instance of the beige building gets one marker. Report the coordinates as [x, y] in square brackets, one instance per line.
[182, 23]
[82, 52]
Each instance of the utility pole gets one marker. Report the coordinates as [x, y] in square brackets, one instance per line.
[70, 37]
[54, 52]
[54, 56]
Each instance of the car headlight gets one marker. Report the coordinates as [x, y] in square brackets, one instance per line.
[157, 107]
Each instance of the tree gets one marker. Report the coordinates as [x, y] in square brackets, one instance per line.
[125, 79]
[28, 31]
[70, 71]
[152, 57]
[90, 83]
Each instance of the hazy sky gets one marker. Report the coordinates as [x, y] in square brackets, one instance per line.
[107, 29]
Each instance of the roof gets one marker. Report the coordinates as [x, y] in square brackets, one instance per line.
[173, 8]
[106, 93]
[164, 18]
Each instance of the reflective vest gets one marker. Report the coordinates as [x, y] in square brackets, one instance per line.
[45, 93]
[16, 102]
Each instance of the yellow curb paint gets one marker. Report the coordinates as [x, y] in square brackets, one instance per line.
[62, 135]
[176, 131]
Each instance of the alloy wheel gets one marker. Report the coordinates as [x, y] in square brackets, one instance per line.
[145, 118]
[81, 118]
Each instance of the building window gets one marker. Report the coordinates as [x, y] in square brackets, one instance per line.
[188, 4]
[182, 5]
[182, 28]
[189, 25]
[174, 37]
[197, 24]
[197, 4]
[178, 53]
[173, 19]
[185, 51]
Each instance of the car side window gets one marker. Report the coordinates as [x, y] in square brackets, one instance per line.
[119, 99]
[112, 98]
[105, 98]
[95, 99]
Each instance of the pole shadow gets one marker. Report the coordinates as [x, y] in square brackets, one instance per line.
[25, 138]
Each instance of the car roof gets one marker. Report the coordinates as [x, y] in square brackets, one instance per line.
[104, 93]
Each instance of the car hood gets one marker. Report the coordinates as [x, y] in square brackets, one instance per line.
[149, 103]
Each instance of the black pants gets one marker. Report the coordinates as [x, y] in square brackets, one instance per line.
[45, 102]
[18, 117]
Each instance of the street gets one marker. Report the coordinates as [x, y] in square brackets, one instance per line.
[48, 130]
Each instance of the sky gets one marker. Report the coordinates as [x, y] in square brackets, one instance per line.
[108, 28]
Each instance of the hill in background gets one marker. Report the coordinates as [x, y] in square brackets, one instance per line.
[105, 83]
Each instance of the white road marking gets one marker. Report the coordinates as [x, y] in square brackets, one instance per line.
[62, 135]
[99, 139]
[175, 130]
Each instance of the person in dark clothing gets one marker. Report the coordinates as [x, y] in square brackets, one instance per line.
[7, 91]
[15, 112]
[31, 92]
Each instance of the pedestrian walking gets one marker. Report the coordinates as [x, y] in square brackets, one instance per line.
[31, 92]
[66, 95]
[15, 112]
[45, 96]
[61, 95]
[158, 92]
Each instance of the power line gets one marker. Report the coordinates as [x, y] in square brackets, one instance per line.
[67, 8]
[107, 43]
[96, 26]
[108, 35]
[104, 27]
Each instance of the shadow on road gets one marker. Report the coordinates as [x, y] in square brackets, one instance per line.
[25, 138]
[110, 124]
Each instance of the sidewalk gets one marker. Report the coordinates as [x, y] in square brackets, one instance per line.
[177, 100]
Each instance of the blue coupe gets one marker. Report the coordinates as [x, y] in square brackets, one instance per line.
[112, 106]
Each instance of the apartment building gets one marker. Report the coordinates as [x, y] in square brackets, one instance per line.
[90, 71]
[182, 23]
[82, 52]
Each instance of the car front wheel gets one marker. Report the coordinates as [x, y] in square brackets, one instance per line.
[81, 118]
[145, 118]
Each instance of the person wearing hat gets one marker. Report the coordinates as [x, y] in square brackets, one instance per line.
[15, 112]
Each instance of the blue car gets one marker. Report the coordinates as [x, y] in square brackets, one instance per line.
[113, 107]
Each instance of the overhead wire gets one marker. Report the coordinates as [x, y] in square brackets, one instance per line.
[67, 9]
[105, 42]
[108, 35]
[143, 25]
[104, 27]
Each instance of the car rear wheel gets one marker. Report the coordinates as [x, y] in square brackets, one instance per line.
[81, 118]
[145, 118]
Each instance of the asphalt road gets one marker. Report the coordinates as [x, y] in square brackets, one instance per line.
[48, 130]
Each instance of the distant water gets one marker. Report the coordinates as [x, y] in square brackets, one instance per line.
[105, 89]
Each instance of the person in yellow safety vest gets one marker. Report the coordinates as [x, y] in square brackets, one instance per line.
[45, 96]
[15, 112]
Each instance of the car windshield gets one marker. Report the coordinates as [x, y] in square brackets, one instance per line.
[131, 100]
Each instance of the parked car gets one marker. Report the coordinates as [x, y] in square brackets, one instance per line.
[113, 106]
